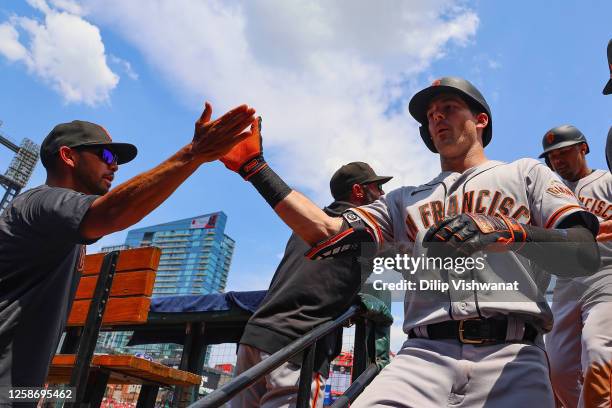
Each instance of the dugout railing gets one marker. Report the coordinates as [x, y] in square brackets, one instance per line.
[366, 365]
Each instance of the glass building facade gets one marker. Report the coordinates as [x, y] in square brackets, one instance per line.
[196, 254]
[195, 260]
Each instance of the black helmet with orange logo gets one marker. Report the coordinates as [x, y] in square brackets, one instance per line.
[420, 102]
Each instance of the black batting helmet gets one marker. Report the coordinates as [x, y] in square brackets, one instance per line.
[608, 88]
[561, 136]
[420, 102]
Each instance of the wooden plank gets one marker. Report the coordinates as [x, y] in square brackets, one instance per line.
[130, 310]
[124, 370]
[129, 260]
[149, 370]
[134, 283]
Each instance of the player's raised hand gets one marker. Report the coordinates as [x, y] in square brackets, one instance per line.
[214, 138]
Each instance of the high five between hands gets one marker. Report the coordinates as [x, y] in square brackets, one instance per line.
[213, 139]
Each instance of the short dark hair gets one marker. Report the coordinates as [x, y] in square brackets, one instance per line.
[50, 163]
[344, 196]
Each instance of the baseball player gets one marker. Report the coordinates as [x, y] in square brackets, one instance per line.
[580, 344]
[465, 347]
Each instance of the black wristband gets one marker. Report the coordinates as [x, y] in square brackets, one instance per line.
[269, 184]
[252, 167]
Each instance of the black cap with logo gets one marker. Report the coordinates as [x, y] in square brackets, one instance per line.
[343, 179]
[80, 133]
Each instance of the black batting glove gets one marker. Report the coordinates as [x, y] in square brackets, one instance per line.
[465, 234]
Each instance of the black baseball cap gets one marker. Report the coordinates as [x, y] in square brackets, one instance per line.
[608, 89]
[353, 173]
[81, 133]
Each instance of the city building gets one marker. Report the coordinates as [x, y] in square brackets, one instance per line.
[195, 260]
[196, 254]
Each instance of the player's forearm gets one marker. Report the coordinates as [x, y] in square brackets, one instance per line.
[298, 212]
[306, 219]
[567, 252]
[129, 202]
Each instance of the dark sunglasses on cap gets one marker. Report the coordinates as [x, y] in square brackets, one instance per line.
[106, 155]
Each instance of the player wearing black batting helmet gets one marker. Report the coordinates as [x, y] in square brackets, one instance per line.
[560, 137]
[468, 92]
[579, 343]
[472, 205]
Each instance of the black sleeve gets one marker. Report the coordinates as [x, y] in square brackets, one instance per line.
[567, 251]
[57, 212]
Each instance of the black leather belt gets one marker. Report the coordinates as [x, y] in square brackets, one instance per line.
[475, 331]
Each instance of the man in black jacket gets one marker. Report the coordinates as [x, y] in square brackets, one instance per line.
[302, 295]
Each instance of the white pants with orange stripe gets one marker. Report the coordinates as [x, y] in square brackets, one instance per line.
[580, 345]
[277, 389]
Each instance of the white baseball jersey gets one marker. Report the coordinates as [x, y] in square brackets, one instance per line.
[595, 194]
[525, 190]
[579, 344]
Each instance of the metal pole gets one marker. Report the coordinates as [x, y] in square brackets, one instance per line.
[356, 387]
[303, 397]
[241, 382]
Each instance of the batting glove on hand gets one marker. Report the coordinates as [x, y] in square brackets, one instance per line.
[246, 158]
[465, 234]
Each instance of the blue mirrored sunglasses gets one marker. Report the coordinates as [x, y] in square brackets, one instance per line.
[107, 156]
[103, 153]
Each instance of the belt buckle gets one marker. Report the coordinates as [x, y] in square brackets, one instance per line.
[463, 340]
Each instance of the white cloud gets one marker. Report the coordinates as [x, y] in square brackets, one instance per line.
[125, 66]
[10, 46]
[65, 51]
[331, 79]
[69, 6]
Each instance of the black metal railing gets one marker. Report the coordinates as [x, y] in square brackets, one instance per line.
[364, 367]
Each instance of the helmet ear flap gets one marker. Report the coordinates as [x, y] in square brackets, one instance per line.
[424, 131]
[548, 162]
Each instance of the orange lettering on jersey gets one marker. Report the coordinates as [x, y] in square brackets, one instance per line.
[493, 206]
[587, 202]
[506, 206]
[425, 214]
[598, 207]
[479, 208]
[453, 206]
[558, 189]
[521, 212]
[438, 211]
[606, 215]
[468, 202]
[412, 227]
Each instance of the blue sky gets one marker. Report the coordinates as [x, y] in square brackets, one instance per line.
[331, 79]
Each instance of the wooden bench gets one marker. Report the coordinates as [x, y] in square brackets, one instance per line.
[123, 299]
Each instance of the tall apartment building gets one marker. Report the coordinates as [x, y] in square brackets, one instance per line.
[195, 260]
[196, 254]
